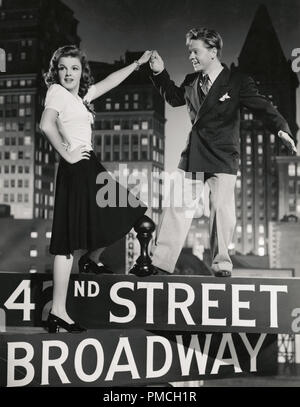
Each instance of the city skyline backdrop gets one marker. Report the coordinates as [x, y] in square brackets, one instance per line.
[109, 28]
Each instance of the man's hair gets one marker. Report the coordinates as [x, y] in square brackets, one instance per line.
[211, 38]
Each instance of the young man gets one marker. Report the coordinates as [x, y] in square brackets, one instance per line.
[213, 96]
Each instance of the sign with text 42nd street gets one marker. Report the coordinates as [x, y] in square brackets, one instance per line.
[188, 303]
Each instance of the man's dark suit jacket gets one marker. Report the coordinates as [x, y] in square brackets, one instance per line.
[214, 141]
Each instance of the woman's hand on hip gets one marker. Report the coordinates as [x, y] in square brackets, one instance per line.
[78, 154]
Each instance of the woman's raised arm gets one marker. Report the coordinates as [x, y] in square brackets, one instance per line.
[114, 79]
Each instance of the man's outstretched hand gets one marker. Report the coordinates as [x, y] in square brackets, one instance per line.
[156, 63]
[288, 141]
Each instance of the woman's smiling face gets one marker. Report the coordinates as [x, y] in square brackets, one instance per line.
[69, 73]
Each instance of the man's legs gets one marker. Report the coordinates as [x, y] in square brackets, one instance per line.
[176, 220]
[222, 219]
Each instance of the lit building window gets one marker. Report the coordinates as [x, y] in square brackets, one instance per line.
[126, 97]
[9, 56]
[21, 112]
[239, 229]
[260, 138]
[117, 106]
[261, 241]
[238, 183]
[135, 126]
[27, 140]
[33, 253]
[272, 138]
[248, 139]
[108, 106]
[48, 235]
[117, 127]
[261, 229]
[261, 251]
[126, 106]
[292, 170]
[144, 141]
[8, 83]
[22, 82]
[249, 228]
[250, 116]
[23, 55]
[248, 150]
[135, 105]
[260, 150]
[135, 96]
[32, 271]
[145, 125]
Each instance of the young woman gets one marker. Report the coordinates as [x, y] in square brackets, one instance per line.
[78, 221]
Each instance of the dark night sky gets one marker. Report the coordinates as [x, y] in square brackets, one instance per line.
[110, 27]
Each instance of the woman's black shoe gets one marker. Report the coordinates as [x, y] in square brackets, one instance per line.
[54, 323]
[86, 265]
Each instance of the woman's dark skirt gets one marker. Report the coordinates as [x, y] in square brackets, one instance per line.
[79, 222]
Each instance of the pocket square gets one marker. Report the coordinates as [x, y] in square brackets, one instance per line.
[224, 97]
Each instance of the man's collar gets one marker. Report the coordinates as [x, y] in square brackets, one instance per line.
[214, 72]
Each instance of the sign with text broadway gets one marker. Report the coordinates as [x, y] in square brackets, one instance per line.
[190, 303]
[128, 357]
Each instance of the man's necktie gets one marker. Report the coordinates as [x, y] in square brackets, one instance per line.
[204, 86]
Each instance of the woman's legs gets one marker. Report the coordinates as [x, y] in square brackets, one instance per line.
[61, 276]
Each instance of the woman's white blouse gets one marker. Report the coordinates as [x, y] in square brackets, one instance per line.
[74, 120]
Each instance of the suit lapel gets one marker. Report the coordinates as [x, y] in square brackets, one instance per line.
[216, 91]
[192, 93]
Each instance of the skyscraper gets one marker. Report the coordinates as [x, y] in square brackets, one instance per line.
[284, 234]
[29, 33]
[257, 185]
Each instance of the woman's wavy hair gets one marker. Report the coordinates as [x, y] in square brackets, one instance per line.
[86, 80]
